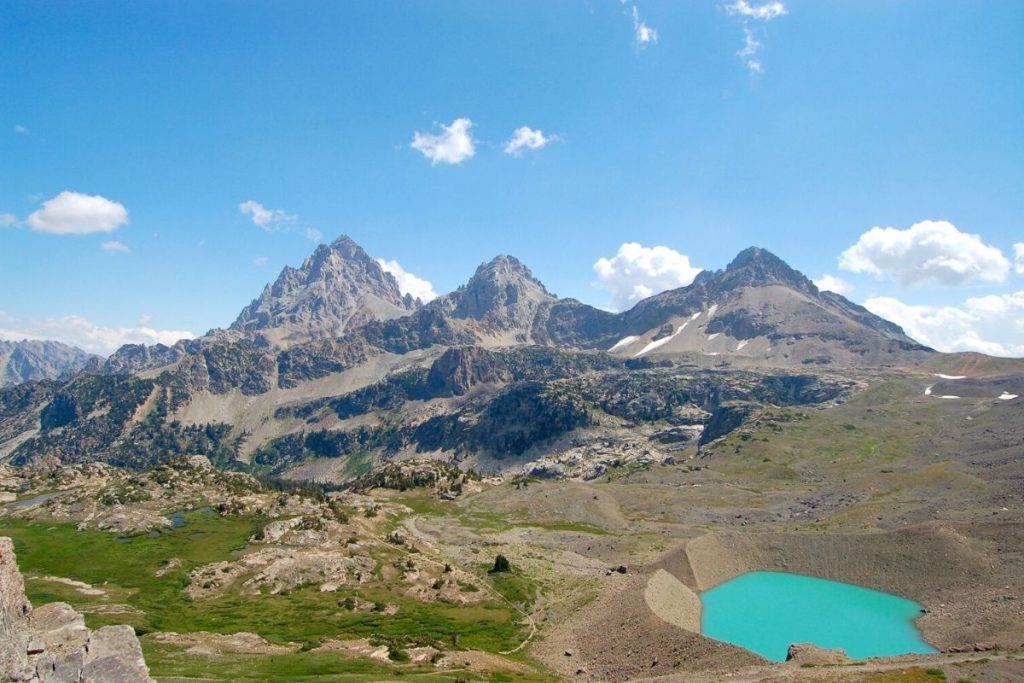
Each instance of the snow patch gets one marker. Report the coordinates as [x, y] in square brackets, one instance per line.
[661, 342]
[712, 336]
[949, 397]
[742, 344]
[625, 341]
[695, 315]
[711, 311]
[928, 390]
[951, 376]
[1006, 396]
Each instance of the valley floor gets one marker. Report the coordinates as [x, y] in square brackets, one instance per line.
[893, 490]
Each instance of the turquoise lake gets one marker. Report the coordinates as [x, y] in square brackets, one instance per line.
[767, 611]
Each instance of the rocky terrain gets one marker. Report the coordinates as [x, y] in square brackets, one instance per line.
[28, 360]
[888, 488]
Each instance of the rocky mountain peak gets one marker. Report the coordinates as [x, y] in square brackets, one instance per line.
[506, 268]
[757, 267]
[503, 293]
[338, 286]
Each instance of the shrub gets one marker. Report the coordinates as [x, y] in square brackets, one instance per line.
[397, 654]
[501, 564]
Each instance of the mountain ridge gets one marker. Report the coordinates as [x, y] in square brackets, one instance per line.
[32, 359]
[340, 293]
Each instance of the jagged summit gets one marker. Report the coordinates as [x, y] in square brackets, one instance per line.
[502, 293]
[756, 267]
[339, 286]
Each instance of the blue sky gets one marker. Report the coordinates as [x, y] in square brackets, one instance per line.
[700, 127]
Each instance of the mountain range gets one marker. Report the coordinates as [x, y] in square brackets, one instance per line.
[30, 359]
[340, 292]
[331, 365]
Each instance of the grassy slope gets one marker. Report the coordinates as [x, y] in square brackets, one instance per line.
[126, 570]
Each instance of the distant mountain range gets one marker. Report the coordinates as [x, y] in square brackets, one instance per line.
[331, 361]
[757, 311]
[29, 359]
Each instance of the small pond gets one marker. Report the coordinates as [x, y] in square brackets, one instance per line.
[765, 612]
[178, 518]
[32, 502]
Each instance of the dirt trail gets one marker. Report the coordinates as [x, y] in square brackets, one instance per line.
[427, 541]
[783, 673]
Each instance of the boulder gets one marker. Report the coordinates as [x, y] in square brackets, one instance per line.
[806, 653]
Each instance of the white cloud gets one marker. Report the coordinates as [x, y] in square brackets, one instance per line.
[748, 12]
[85, 334]
[751, 46]
[644, 34]
[1018, 259]
[763, 12]
[408, 283]
[21, 130]
[991, 324]
[270, 220]
[526, 138]
[260, 261]
[277, 220]
[114, 245]
[933, 251]
[9, 220]
[637, 272]
[74, 213]
[831, 283]
[453, 146]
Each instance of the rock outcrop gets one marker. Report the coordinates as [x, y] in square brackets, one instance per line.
[51, 643]
[808, 654]
[459, 369]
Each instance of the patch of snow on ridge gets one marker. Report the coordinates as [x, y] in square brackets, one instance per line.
[928, 390]
[711, 311]
[742, 344]
[1006, 396]
[951, 376]
[712, 336]
[696, 315]
[949, 397]
[625, 341]
[661, 342]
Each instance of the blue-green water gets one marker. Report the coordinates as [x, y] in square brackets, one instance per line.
[767, 611]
